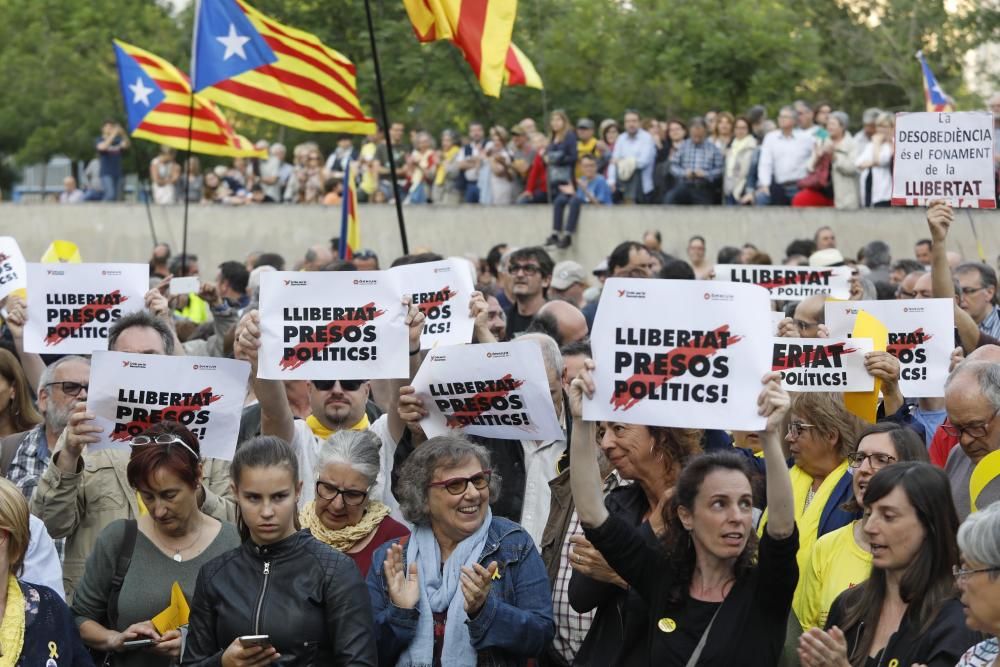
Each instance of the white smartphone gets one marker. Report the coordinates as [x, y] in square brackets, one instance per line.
[184, 285]
[246, 641]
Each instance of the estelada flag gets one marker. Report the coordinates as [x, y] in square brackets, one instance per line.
[934, 96]
[350, 231]
[481, 29]
[249, 62]
[158, 104]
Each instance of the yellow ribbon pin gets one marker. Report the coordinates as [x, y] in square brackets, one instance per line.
[53, 650]
[667, 625]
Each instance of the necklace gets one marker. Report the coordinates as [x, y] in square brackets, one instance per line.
[177, 552]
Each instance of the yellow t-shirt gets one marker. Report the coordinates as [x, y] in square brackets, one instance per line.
[835, 564]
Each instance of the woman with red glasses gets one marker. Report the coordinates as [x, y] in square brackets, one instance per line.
[465, 585]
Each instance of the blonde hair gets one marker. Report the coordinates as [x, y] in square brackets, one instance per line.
[827, 412]
[14, 521]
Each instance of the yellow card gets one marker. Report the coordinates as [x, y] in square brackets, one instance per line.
[64, 252]
[985, 472]
[864, 404]
[174, 616]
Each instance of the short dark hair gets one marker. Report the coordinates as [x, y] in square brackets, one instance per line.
[728, 255]
[575, 348]
[677, 269]
[339, 265]
[906, 442]
[145, 460]
[493, 258]
[908, 266]
[271, 259]
[803, 247]
[419, 258]
[619, 256]
[537, 253]
[142, 318]
[926, 242]
[236, 275]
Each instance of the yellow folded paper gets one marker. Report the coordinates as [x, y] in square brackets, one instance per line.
[985, 472]
[64, 252]
[174, 616]
[864, 404]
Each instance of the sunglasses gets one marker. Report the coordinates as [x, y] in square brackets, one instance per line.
[163, 439]
[328, 491]
[456, 486]
[69, 388]
[346, 385]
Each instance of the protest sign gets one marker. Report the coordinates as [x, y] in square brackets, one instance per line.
[921, 336]
[128, 393]
[776, 317]
[497, 390]
[790, 283]
[71, 307]
[944, 156]
[331, 325]
[680, 353]
[441, 291]
[822, 364]
[13, 271]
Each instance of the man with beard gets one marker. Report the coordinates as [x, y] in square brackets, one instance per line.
[62, 384]
[531, 273]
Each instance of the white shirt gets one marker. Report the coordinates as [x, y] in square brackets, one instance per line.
[41, 562]
[307, 446]
[881, 173]
[540, 459]
[784, 159]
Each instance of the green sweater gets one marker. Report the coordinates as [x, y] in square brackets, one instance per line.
[146, 589]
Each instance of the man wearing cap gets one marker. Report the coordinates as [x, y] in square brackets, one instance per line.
[591, 188]
[569, 281]
[586, 143]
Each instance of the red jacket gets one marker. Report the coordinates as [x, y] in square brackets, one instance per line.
[537, 181]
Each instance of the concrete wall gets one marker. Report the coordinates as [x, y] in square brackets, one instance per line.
[120, 232]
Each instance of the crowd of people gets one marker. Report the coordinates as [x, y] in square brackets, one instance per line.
[341, 534]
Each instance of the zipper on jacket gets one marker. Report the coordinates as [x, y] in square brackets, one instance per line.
[260, 600]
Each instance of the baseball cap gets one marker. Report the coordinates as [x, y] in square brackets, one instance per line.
[601, 268]
[585, 123]
[827, 257]
[567, 274]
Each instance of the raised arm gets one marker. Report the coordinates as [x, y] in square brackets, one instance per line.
[940, 217]
[17, 315]
[773, 403]
[276, 416]
[585, 475]
[415, 321]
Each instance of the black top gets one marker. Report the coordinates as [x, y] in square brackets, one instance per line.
[516, 322]
[750, 627]
[941, 645]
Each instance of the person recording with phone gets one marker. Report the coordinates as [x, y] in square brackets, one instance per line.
[135, 562]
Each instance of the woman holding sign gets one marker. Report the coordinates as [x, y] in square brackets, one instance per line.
[135, 564]
[712, 594]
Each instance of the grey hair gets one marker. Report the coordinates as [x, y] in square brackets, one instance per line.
[876, 253]
[49, 373]
[357, 449]
[979, 536]
[550, 350]
[986, 373]
[789, 109]
[443, 451]
[142, 318]
[841, 117]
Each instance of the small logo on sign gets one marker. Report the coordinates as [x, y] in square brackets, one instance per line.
[52, 272]
[295, 283]
[365, 281]
[111, 273]
[498, 355]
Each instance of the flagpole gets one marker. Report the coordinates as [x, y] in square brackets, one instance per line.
[388, 138]
[145, 196]
[187, 162]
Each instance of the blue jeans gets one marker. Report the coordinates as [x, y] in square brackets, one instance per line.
[471, 193]
[780, 194]
[560, 202]
[112, 188]
[418, 194]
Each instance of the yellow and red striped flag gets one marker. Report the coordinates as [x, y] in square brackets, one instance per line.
[249, 62]
[158, 104]
[482, 30]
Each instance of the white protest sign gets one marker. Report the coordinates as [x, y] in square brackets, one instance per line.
[921, 336]
[331, 325]
[680, 353]
[822, 364]
[776, 317]
[72, 306]
[441, 291]
[128, 393]
[13, 270]
[790, 283]
[497, 390]
[944, 156]
[184, 285]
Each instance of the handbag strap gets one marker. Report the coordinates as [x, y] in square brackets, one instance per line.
[693, 660]
[121, 569]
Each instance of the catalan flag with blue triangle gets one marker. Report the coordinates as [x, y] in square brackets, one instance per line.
[159, 107]
[933, 94]
[350, 231]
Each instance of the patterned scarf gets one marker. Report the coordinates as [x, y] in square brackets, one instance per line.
[346, 537]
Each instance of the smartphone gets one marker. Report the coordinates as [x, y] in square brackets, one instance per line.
[246, 641]
[137, 644]
[184, 285]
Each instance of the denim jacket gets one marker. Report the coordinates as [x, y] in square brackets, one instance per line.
[514, 624]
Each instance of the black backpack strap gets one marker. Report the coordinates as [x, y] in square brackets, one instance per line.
[121, 569]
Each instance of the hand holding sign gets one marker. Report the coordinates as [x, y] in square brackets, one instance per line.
[81, 430]
[17, 313]
[582, 385]
[940, 216]
[246, 339]
[415, 321]
[773, 403]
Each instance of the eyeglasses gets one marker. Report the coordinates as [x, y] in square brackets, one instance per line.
[974, 431]
[456, 486]
[70, 388]
[877, 461]
[968, 291]
[795, 428]
[961, 574]
[527, 269]
[346, 385]
[164, 439]
[351, 497]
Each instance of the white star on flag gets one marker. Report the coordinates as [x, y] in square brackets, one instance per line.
[233, 43]
[140, 92]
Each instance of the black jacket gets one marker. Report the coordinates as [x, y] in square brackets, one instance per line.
[308, 597]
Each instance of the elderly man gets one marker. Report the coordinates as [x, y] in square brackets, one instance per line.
[569, 281]
[563, 321]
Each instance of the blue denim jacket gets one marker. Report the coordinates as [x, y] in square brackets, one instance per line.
[514, 624]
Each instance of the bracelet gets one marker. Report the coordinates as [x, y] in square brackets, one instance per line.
[415, 352]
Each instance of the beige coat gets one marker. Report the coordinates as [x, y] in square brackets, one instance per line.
[78, 506]
[843, 172]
